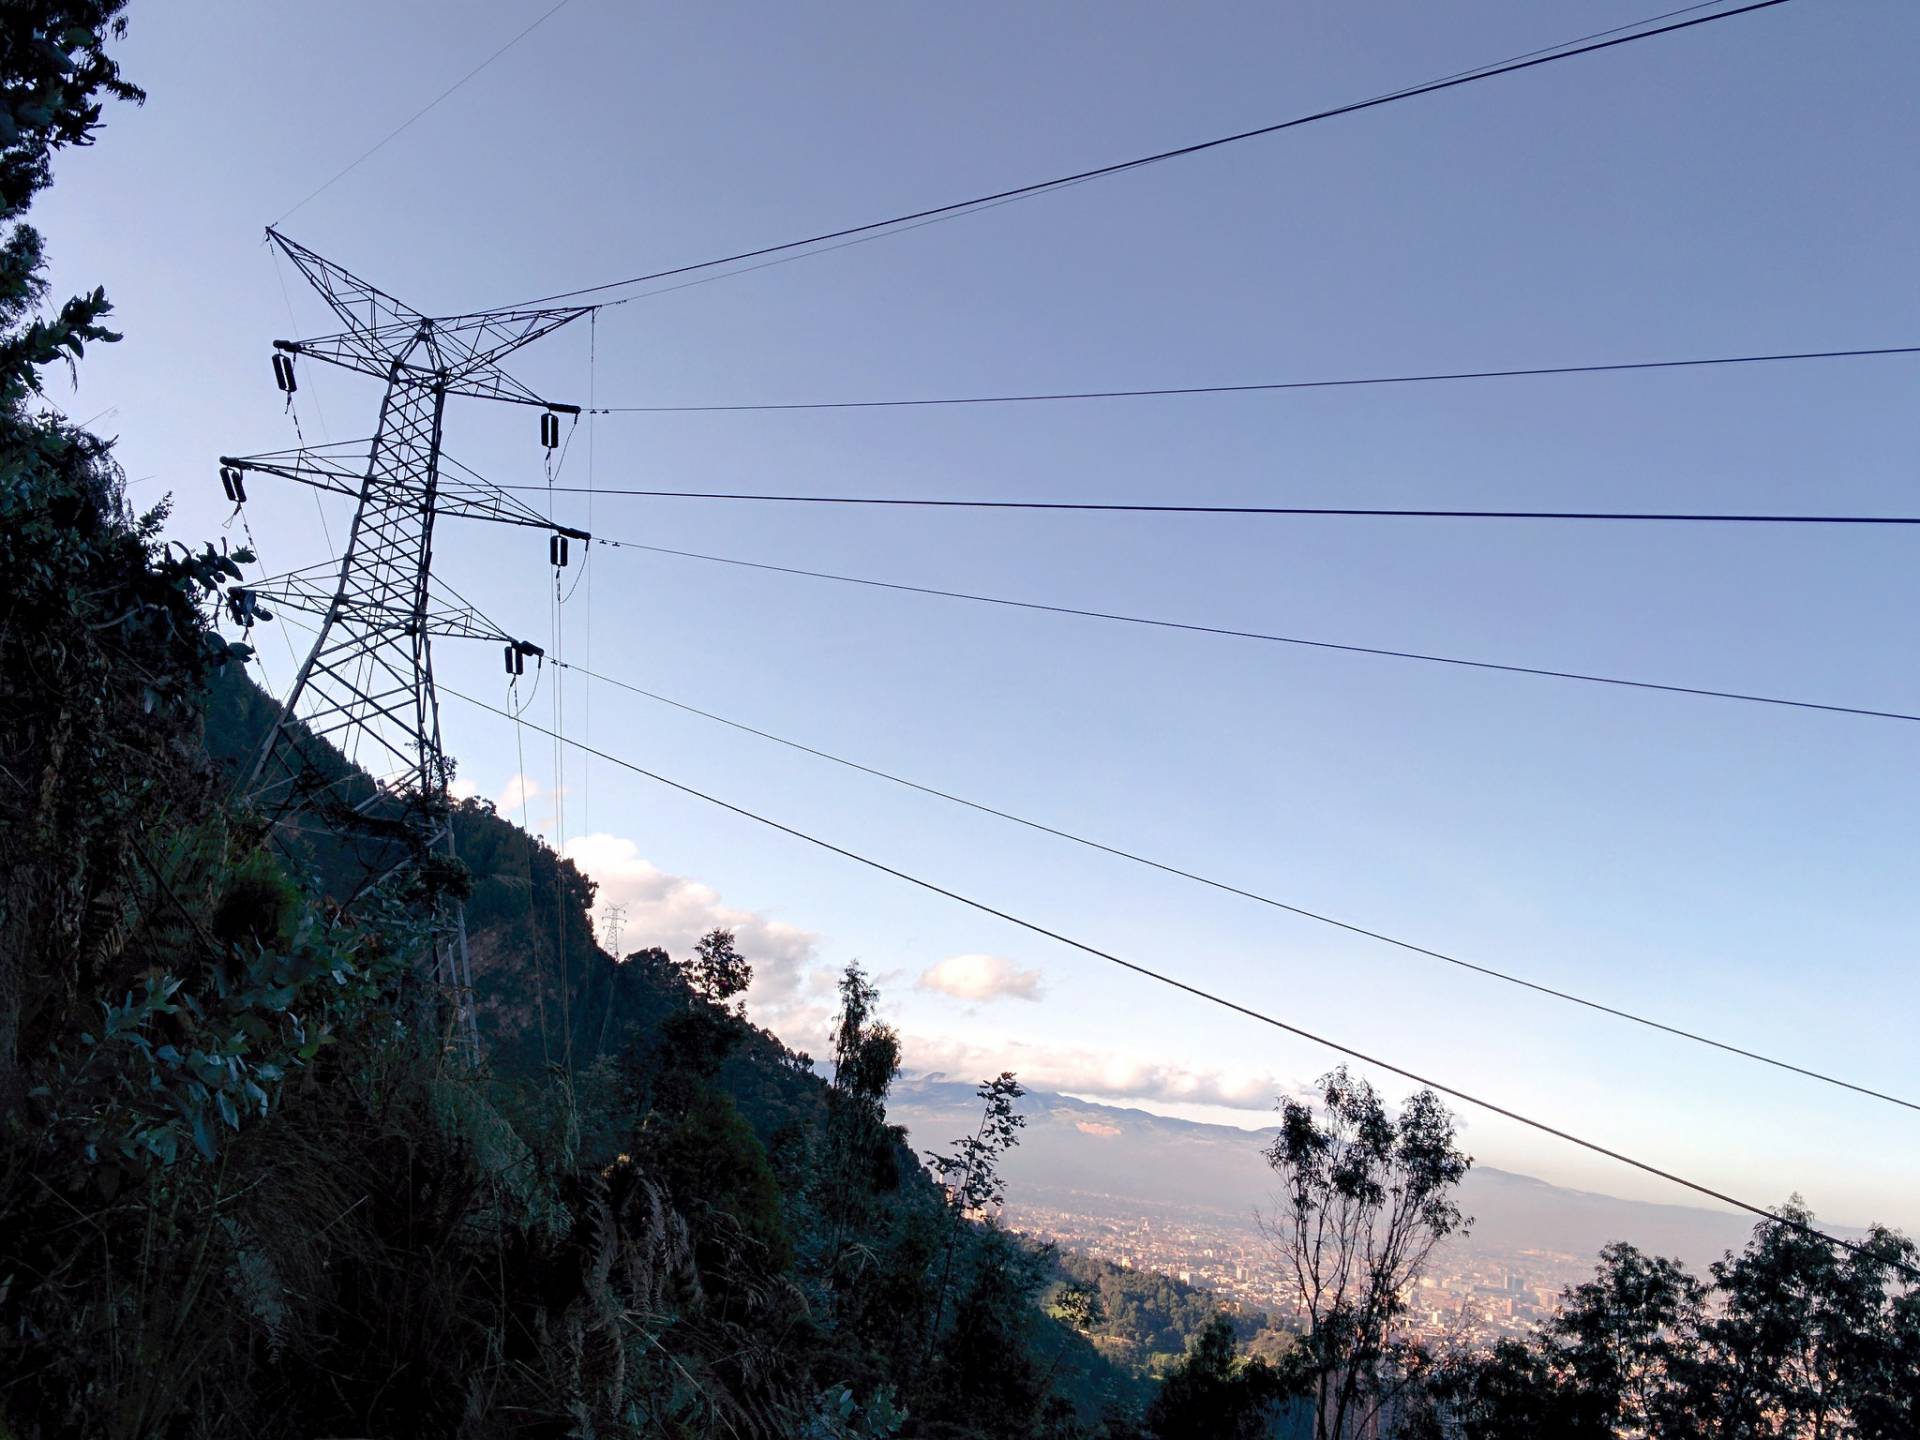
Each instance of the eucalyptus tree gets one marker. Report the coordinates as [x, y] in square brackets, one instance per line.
[1365, 1197]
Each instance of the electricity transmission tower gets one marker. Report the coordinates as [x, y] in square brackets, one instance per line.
[366, 688]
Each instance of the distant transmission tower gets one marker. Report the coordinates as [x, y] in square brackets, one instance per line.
[366, 687]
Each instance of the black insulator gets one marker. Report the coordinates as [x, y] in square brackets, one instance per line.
[230, 482]
[516, 662]
[240, 606]
[283, 373]
[557, 551]
[549, 430]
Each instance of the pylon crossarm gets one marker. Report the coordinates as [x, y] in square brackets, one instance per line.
[358, 303]
[369, 352]
[339, 469]
[485, 502]
[313, 594]
[330, 469]
[486, 337]
[449, 363]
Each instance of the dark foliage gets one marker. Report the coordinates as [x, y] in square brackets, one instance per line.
[1213, 1394]
[1787, 1341]
[1365, 1198]
[1151, 1320]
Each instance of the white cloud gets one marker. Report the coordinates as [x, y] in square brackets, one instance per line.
[519, 790]
[981, 977]
[793, 988]
[1077, 1071]
[673, 912]
[523, 799]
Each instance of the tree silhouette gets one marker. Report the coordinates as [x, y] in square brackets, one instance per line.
[1366, 1196]
[718, 971]
[1214, 1395]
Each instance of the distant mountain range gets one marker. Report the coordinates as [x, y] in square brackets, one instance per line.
[1104, 1159]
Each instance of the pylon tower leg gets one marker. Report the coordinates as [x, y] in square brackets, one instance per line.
[369, 676]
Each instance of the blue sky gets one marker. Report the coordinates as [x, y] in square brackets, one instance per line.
[1741, 187]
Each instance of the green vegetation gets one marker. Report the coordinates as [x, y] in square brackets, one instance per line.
[1149, 1321]
[1365, 1196]
[1213, 1394]
[1787, 1339]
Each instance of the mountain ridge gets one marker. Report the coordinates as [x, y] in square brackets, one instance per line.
[1116, 1156]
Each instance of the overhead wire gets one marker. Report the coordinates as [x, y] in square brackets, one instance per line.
[1467, 77]
[392, 134]
[293, 410]
[293, 414]
[517, 707]
[1565, 44]
[560, 831]
[1214, 998]
[556, 647]
[253, 546]
[789, 259]
[1265, 636]
[1231, 889]
[586, 560]
[1297, 511]
[1258, 387]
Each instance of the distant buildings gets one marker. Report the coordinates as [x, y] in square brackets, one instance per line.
[1471, 1293]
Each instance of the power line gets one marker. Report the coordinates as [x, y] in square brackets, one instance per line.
[1041, 186]
[1222, 885]
[789, 258]
[381, 143]
[1298, 511]
[983, 207]
[1254, 388]
[526, 834]
[1213, 998]
[1266, 636]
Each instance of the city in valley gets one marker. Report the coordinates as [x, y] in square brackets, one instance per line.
[1471, 1293]
[1183, 1198]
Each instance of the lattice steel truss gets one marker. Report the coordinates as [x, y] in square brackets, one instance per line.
[367, 683]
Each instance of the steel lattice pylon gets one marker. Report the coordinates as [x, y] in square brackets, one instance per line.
[368, 680]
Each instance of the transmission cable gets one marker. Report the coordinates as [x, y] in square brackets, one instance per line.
[517, 707]
[981, 209]
[1179, 152]
[1300, 640]
[382, 142]
[1250, 388]
[1760, 1211]
[1230, 889]
[1298, 511]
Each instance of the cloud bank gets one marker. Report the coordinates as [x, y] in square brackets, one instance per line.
[672, 912]
[1078, 1071]
[793, 990]
[981, 977]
